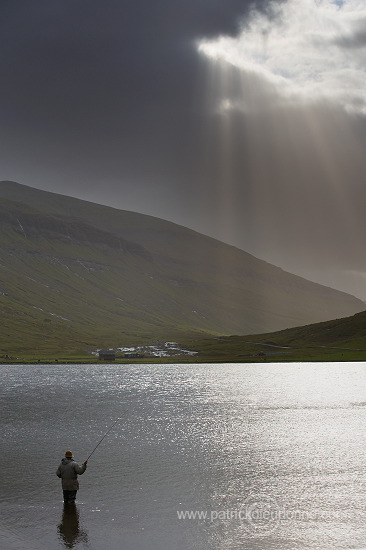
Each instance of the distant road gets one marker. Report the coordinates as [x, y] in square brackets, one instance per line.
[303, 347]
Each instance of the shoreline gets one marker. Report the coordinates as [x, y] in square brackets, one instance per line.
[251, 361]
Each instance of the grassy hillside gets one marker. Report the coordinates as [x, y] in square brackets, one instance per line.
[337, 340]
[78, 276]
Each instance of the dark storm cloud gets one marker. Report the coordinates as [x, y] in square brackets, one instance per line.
[109, 89]
[79, 54]
[106, 98]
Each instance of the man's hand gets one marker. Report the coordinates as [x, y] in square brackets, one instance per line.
[85, 463]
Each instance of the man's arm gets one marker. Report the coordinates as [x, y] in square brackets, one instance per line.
[80, 469]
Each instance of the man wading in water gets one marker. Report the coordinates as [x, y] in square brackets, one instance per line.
[68, 471]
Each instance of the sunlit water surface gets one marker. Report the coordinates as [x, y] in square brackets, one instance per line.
[266, 456]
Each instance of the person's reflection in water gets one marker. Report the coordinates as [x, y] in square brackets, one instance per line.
[69, 529]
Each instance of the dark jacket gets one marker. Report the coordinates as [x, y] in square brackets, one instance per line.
[68, 472]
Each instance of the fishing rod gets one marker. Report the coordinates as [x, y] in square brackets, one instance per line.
[105, 435]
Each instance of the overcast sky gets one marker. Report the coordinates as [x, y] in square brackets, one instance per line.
[243, 120]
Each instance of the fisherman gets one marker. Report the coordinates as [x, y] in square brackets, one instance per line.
[68, 472]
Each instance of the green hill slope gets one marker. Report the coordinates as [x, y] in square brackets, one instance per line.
[76, 275]
[336, 340]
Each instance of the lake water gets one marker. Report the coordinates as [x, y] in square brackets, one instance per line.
[204, 457]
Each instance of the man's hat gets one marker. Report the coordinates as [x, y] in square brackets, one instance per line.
[68, 454]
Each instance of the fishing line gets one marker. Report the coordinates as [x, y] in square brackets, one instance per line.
[105, 435]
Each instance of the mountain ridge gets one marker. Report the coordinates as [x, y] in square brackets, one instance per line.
[114, 276]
